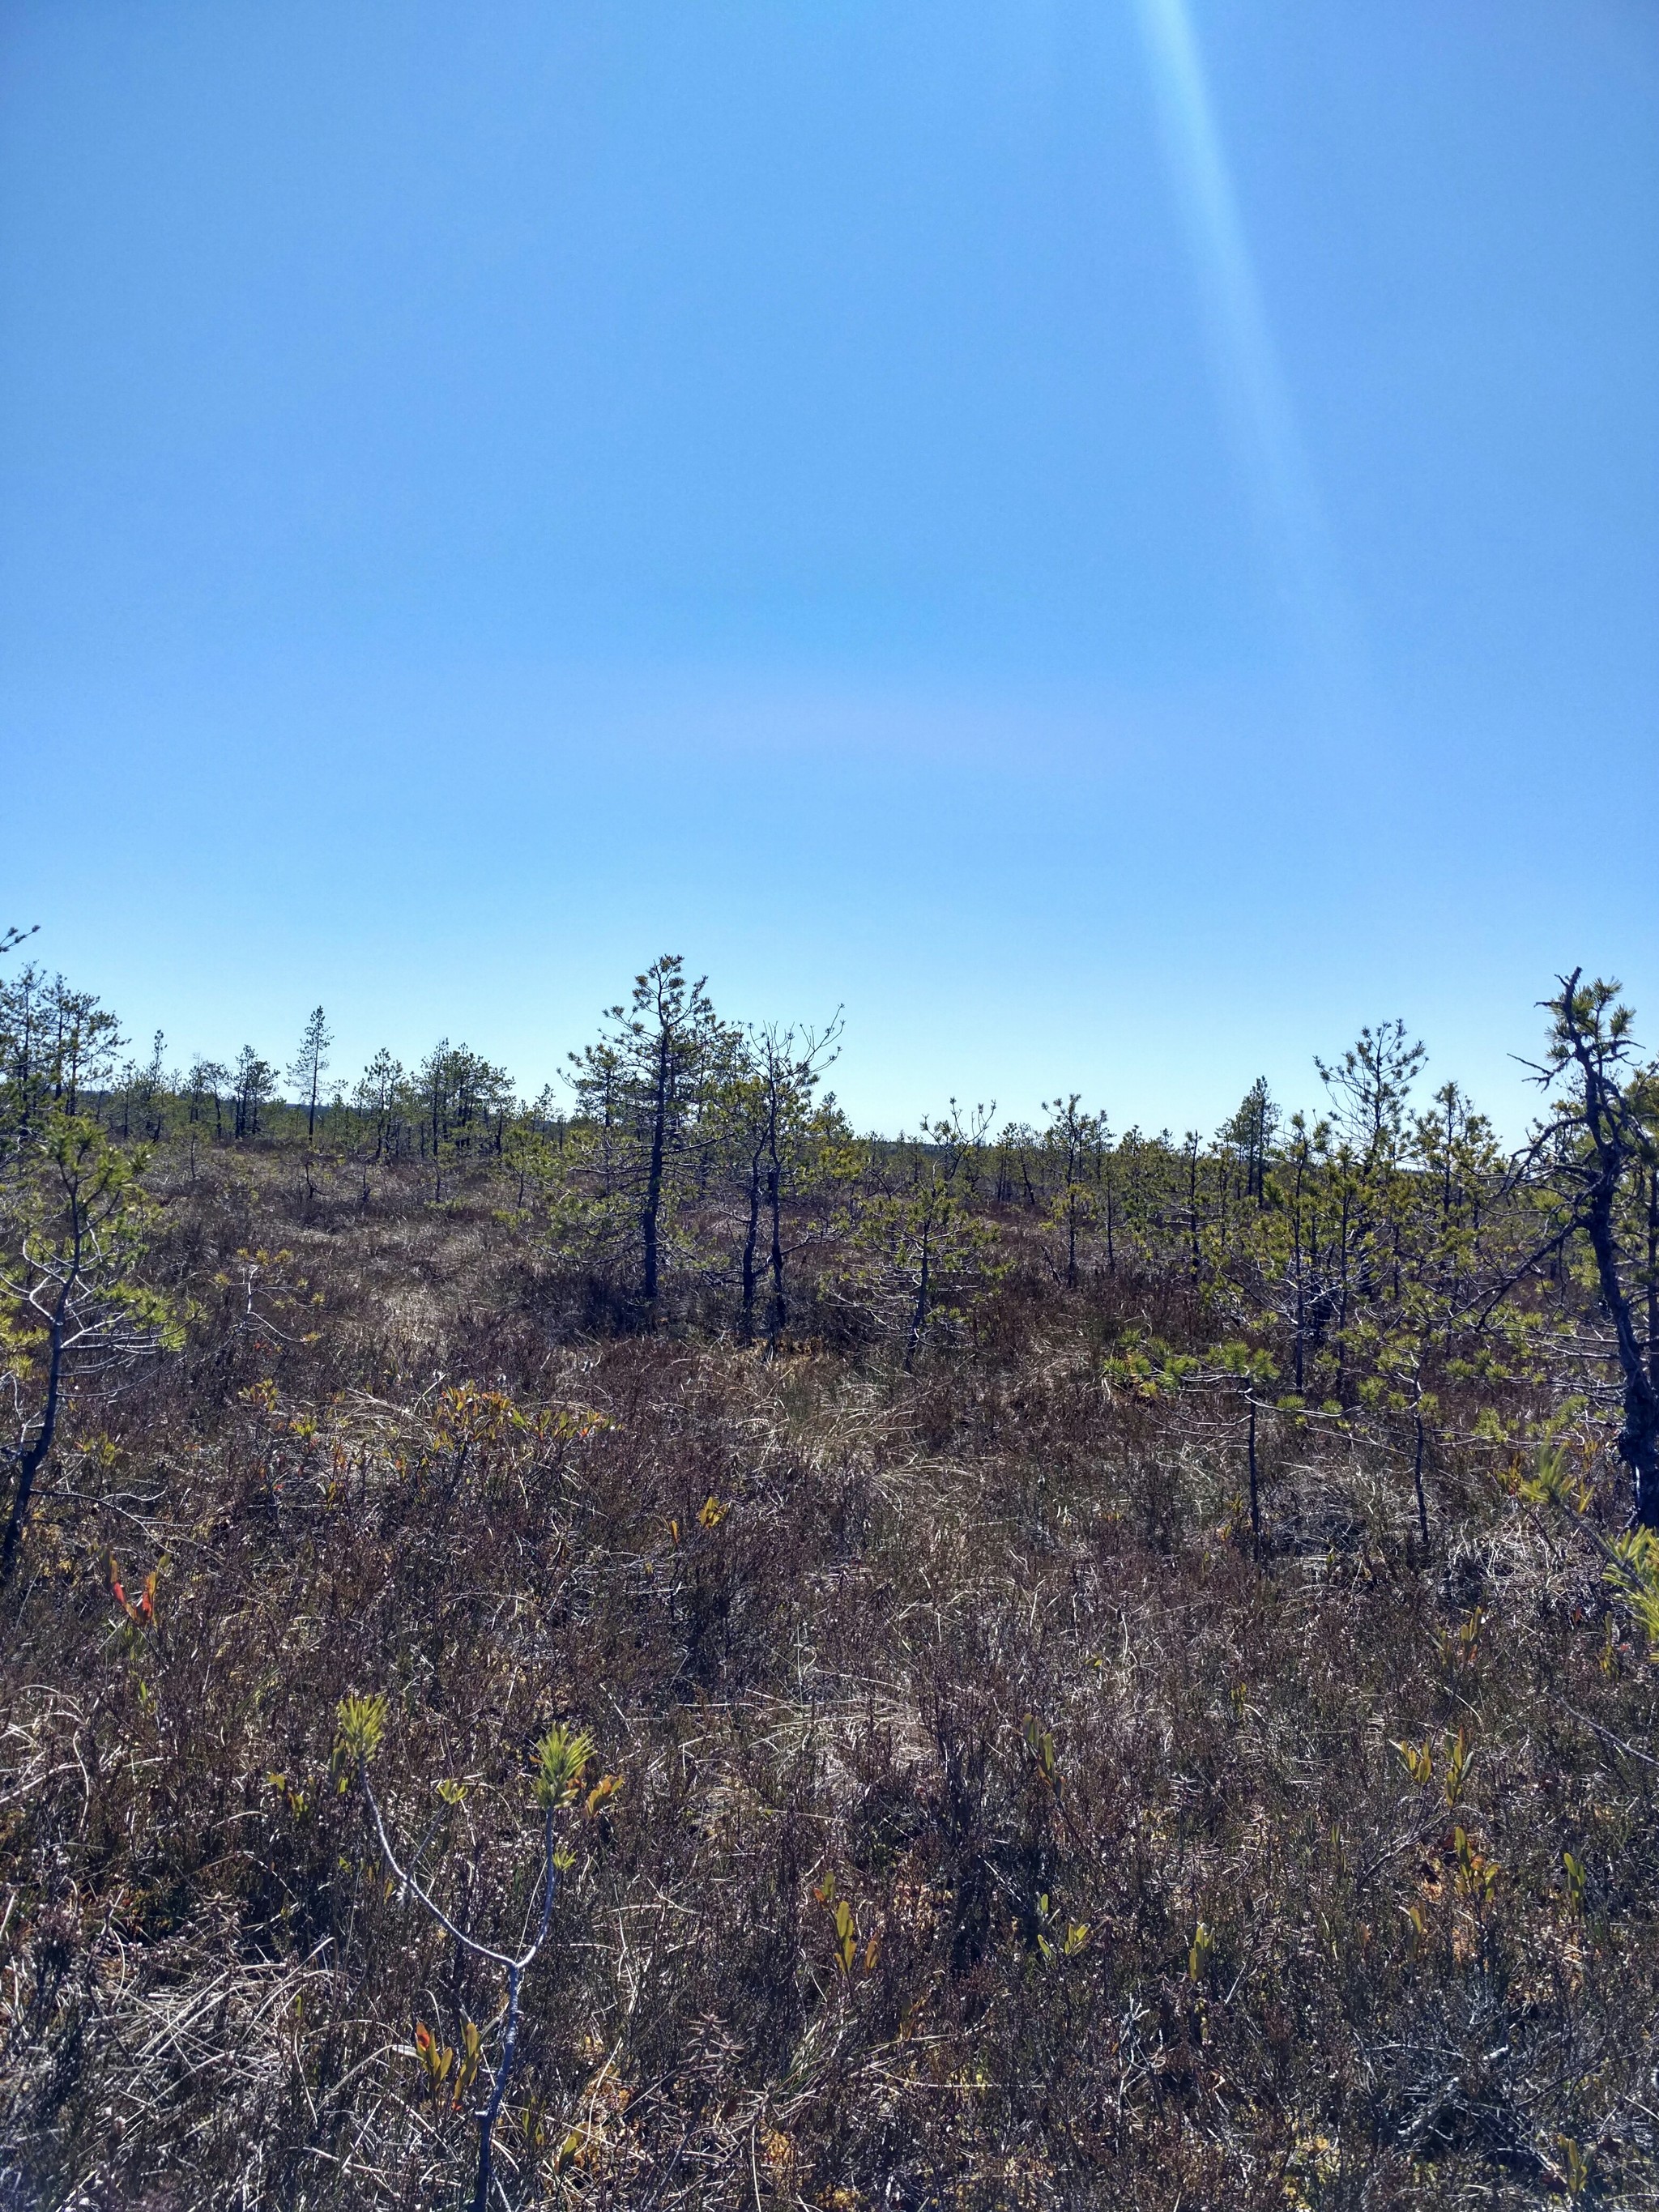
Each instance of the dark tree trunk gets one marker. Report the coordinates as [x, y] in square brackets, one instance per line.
[1342, 1295]
[1417, 1484]
[918, 1318]
[653, 1206]
[1301, 1297]
[1639, 1440]
[1192, 1207]
[1604, 1124]
[750, 1245]
[31, 1460]
[775, 1318]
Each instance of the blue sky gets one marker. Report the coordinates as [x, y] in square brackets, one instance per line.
[1119, 542]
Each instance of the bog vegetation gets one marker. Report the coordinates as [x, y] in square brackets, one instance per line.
[641, 1648]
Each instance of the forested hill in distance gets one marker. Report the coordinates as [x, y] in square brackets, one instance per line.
[642, 1647]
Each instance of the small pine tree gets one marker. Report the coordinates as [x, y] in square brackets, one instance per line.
[310, 1065]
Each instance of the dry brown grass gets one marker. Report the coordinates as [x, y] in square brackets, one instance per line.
[1145, 1909]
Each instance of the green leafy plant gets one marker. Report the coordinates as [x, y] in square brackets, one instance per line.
[561, 1759]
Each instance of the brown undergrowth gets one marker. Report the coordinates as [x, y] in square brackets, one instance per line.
[994, 1827]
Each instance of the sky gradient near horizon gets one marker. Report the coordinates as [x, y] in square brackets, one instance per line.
[1118, 542]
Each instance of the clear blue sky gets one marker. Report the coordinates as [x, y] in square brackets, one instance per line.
[1120, 541]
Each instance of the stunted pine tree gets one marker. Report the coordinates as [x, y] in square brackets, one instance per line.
[464, 1101]
[1596, 1156]
[309, 1066]
[376, 1099]
[55, 1044]
[779, 1139]
[1249, 1132]
[1431, 1312]
[144, 1089]
[74, 1310]
[255, 1086]
[1370, 1088]
[920, 1252]
[646, 1081]
[203, 1087]
[1073, 1140]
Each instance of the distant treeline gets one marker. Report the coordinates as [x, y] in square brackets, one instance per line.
[1372, 1260]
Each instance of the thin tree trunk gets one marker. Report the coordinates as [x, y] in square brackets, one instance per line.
[1417, 1484]
[1342, 1296]
[918, 1318]
[648, 1217]
[1192, 1205]
[775, 1201]
[30, 1462]
[1639, 1440]
[1301, 1294]
[750, 1242]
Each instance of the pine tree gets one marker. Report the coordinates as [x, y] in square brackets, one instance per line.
[255, 1085]
[646, 1080]
[1596, 1154]
[310, 1065]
